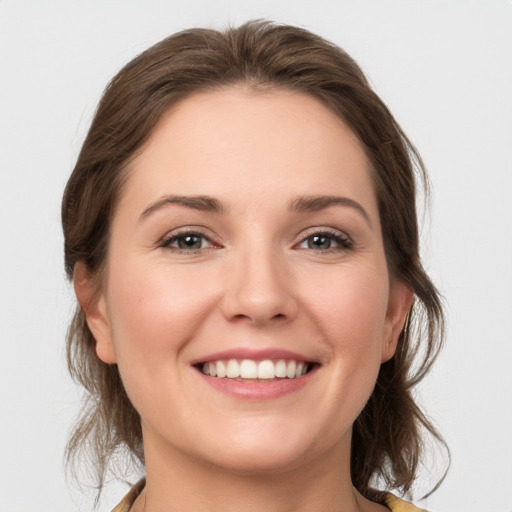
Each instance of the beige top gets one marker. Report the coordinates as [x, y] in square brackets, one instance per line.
[395, 504]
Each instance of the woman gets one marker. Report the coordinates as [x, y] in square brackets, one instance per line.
[240, 229]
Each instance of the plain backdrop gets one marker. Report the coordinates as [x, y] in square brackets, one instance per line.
[444, 69]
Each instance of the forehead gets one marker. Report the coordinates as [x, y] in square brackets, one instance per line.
[246, 143]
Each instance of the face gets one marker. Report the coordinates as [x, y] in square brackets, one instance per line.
[246, 298]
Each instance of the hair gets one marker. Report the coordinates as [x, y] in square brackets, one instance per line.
[388, 436]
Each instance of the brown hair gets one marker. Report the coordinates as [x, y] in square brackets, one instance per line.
[387, 436]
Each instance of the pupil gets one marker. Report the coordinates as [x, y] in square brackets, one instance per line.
[189, 242]
[319, 242]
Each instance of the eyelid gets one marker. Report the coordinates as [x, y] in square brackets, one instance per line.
[165, 241]
[339, 236]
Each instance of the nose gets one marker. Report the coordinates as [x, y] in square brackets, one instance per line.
[259, 289]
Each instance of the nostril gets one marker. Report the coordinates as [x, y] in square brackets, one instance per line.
[246, 317]
[258, 301]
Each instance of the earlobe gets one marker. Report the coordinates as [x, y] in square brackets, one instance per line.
[400, 302]
[92, 302]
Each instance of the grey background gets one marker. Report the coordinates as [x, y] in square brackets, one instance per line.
[444, 69]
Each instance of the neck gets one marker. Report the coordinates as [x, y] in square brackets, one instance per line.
[178, 482]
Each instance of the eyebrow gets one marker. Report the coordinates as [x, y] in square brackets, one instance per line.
[316, 203]
[202, 203]
[299, 204]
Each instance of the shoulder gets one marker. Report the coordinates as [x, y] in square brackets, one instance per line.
[398, 505]
[126, 503]
[395, 504]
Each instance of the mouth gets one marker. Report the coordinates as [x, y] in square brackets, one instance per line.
[252, 370]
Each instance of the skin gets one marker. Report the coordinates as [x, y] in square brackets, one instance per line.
[258, 281]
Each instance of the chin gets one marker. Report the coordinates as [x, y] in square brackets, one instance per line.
[259, 461]
[269, 448]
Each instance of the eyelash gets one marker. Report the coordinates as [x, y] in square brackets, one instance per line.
[343, 241]
[166, 242]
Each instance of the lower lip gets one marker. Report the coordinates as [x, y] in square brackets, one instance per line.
[258, 390]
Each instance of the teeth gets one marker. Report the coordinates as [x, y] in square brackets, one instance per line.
[250, 369]
[291, 369]
[281, 368]
[221, 369]
[266, 370]
[233, 369]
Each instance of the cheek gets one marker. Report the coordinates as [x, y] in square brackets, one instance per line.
[353, 298]
[349, 306]
[155, 309]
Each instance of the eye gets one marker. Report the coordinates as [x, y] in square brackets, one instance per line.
[325, 241]
[188, 241]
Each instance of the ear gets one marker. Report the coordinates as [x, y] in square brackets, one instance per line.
[93, 304]
[399, 305]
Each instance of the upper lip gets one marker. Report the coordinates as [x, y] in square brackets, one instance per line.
[254, 354]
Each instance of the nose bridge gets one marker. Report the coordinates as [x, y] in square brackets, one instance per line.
[259, 288]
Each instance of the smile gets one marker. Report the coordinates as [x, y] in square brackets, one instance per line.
[266, 370]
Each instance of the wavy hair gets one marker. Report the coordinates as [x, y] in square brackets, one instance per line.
[387, 443]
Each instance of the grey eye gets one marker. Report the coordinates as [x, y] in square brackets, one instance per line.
[319, 242]
[187, 242]
[326, 241]
[190, 242]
